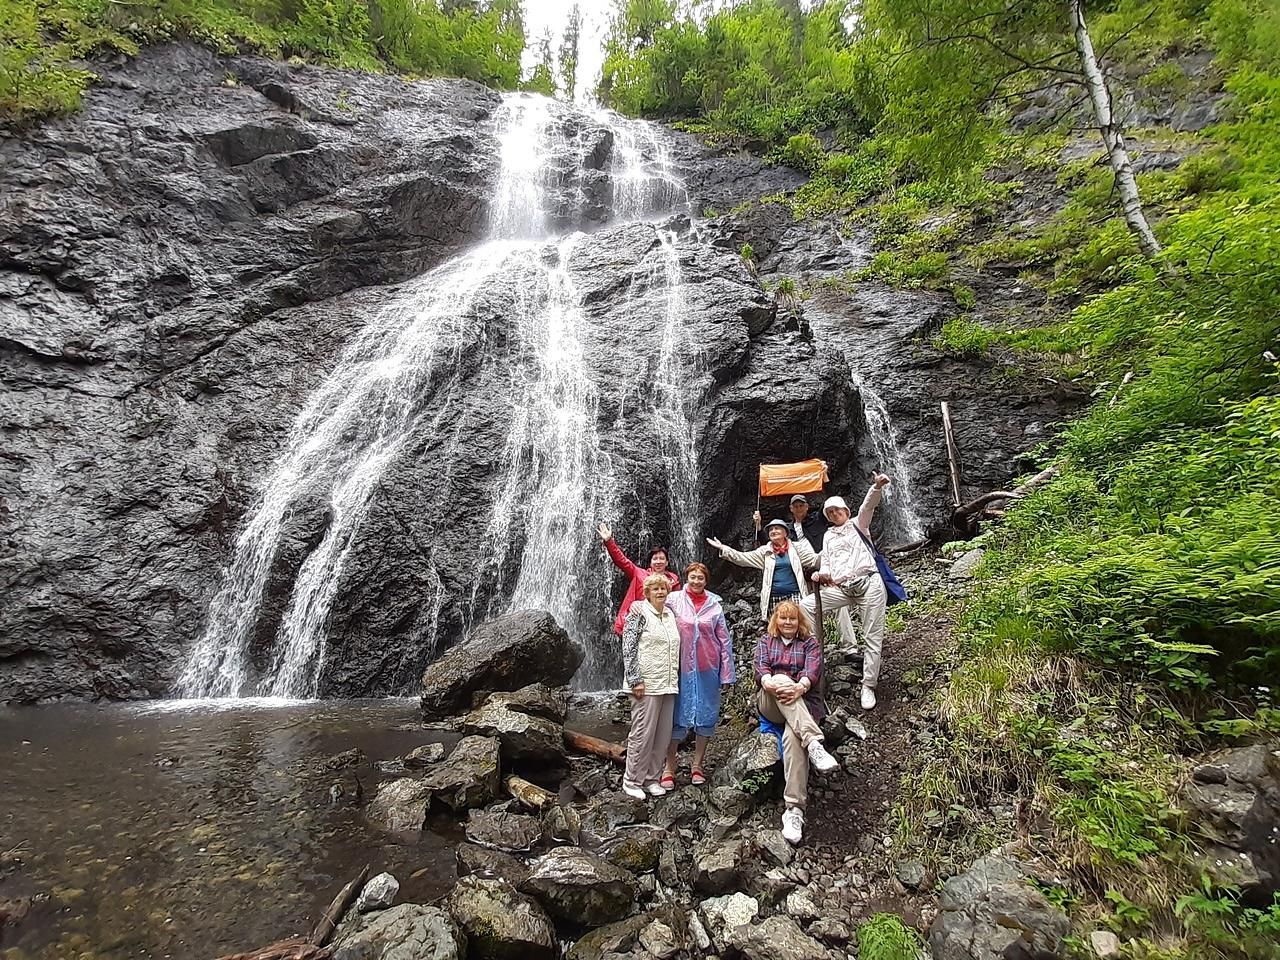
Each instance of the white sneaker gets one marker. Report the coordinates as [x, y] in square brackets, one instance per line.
[868, 698]
[632, 791]
[793, 825]
[822, 761]
[656, 790]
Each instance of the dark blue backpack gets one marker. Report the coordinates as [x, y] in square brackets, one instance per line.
[892, 585]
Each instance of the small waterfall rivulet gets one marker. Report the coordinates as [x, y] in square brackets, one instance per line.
[398, 378]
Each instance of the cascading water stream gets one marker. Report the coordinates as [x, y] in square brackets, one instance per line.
[398, 379]
[903, 524]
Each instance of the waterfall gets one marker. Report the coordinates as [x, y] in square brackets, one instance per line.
[903, 524]
[398, 379]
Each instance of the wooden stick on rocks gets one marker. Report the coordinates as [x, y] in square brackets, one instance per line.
[584, 743]
[529, 794]
[329, 922]
[295, 948]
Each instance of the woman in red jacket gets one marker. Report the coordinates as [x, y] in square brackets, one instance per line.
[635, 589]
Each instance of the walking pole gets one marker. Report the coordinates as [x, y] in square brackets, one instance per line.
[820, 633]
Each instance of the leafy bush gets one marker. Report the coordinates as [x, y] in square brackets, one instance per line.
[886, 937]
[804, 152]
[966, 338]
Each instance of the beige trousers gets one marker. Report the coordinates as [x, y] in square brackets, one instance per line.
[651, 718]
[869, 596]
[800, 728]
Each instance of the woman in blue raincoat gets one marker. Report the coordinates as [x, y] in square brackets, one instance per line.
[706, 664]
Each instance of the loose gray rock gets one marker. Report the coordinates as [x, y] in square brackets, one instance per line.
[832, 931]
[776, 938]
[911, 873]
[469, 777]
[499, 830]
[752, 764]
[562, 824]
[636, 850]
[1104, 944]
[501, 654]
[407, 932]
[773, 848]
[966, 564]
[660, 940]
[721, 915]
[605, 814]
[378, 894]
[989, 910]
[581, 887]
[500, 922]
[717, 866]
[800, 905]
[400, 805]
[624, 936]
[1233, 803]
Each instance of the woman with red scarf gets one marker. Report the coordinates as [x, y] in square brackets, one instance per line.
[783, 562]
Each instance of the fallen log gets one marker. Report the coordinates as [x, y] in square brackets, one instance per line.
[585, 743]
[329, 922]
[295, 948]
[530, 794]
[963, 516]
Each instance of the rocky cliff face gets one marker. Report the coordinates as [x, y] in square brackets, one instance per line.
[185, 261]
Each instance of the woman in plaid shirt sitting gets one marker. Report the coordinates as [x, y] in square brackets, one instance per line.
[788, 668]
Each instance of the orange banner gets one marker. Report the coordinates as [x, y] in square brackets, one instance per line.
[808, 476]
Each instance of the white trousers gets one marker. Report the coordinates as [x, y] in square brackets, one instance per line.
[868, 595]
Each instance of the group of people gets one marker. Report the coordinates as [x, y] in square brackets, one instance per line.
[678, 651]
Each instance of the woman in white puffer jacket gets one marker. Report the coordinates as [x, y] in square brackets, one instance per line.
[651, 657]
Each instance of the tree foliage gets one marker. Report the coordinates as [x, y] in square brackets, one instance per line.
[42, 42]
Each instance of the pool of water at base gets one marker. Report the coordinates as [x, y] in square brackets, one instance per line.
[195, 829]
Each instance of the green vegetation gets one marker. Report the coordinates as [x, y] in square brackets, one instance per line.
[43, 42]
[886, 937]
[1128, 613]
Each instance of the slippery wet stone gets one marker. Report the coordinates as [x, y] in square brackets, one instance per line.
[500, 922]
[721, 915]
[524, 738]
[581, 887]
[717, 865]
[407, 932]
[508, 832]
[488, 864]
[776, 938]
[468, 778]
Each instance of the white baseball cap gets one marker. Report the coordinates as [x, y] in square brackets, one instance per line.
[832, 503]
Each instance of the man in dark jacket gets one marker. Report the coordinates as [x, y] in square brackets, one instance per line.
[804, 522]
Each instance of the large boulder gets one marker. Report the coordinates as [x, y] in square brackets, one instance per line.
[991, 912]
[1233, 803]
[580, 887]
[500, 922]
[407, 932]
[656, 931]
[468, 778]
[505, 653]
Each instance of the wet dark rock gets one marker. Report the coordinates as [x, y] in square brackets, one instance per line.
[602, 817]
[1233, 803]
[990, 912]
[468, 778]
[409, 930]
[490, 864]
[562, 824]
[832, 931]
[500, 922]
[524, 738]
[580, 887]
[537, 700]
[423, 756]
[637, 849]
[681, 808]
[510, 832]
[347, 758]
[13, 910]
[623, 936]
[501, 654]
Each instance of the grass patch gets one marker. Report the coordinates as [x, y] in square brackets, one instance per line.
[885, 937]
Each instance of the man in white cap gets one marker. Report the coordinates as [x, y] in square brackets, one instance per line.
[848, 577]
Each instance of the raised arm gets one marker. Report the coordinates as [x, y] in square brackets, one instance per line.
[870, 502]
[615, 553]
[753, 559]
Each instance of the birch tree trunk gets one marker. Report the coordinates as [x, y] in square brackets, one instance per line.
[1112, 136]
